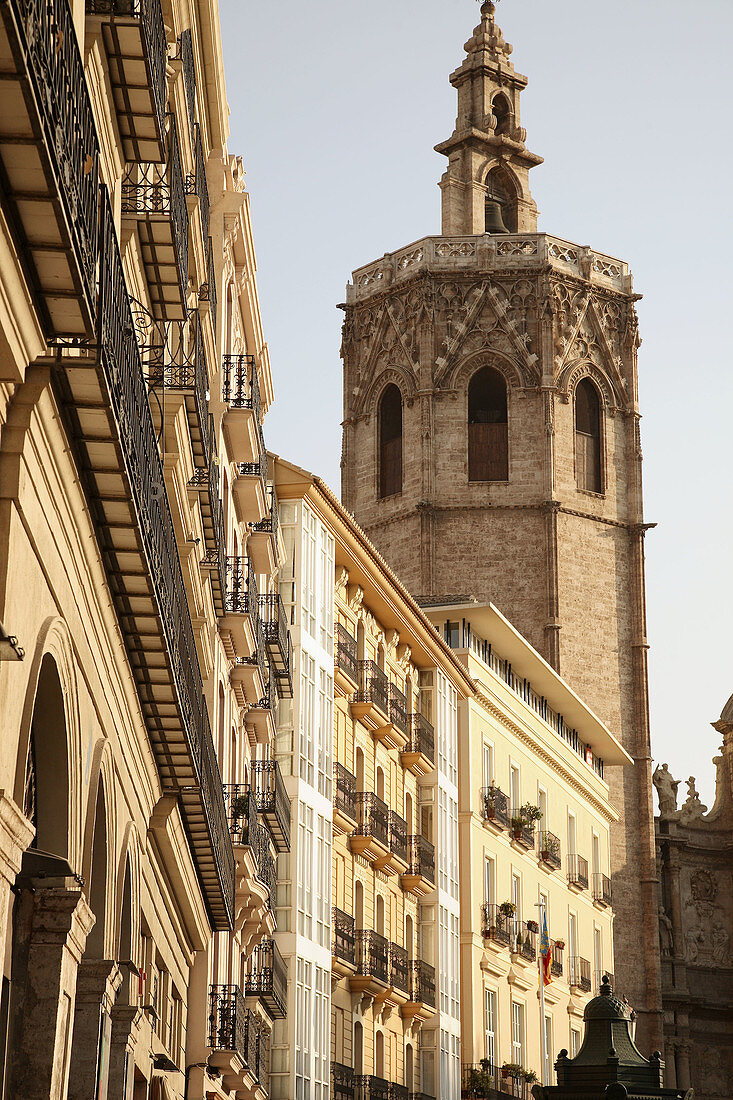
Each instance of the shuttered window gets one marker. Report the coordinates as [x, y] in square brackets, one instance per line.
[488, 433]
[390, 442]
[588, 437]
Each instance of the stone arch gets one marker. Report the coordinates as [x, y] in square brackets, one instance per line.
[396, 376]
[97, 879]
[502, 186]
[459, 378]
[503, 112]
[573, 372]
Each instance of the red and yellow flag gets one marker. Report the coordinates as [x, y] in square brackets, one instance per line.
[545, 954]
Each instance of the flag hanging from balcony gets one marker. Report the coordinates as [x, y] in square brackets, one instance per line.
[545, 953]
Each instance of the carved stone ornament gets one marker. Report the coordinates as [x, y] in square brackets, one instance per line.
[693, 808]
[355, 595]
[342, 578]
[392, 640]
[666, 786]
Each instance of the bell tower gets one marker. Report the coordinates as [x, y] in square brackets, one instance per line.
[491, 447]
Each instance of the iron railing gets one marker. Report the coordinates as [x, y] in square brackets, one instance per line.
[556, 966]
[269, 524]
[241, 390]
[420, 1096]
[266, 870]
[601, 888]
[185, 56]
[342, 1082]
[399, 968]
[373, 817]
[241, 804]
[398, 709]
[521, 830]
[207, 290]
[343, 944]
[496, 925]
[275, 624]
[267, 978]
[422, 983]
[253, 469]
[372, 955]
[241, 588]
[54, 67]
[549, 849]
[129, 400]
[371, 1088]
[422, 737]
[580, 973]
[346, 658]
[374, 687]
[398, 1092]
[154, 189]
[524, 941]
[480, 1080]
[495, 805]
[578, 871]
[272, 801]
[421, 859]
[345, 791]
[398, 836]
[227, 1019]
[196, 184]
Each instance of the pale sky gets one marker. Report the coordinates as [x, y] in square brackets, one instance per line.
[336, 106]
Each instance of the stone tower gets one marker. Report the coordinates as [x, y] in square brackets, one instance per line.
[491, 446]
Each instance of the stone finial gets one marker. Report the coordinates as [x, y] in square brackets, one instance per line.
[487, 36]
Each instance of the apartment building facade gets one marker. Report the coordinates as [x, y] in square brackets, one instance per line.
[534, 821]
[144, 647]
[370, 917]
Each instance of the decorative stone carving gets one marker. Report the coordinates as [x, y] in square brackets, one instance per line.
[342, 579]
[666, 787]
[693, 808]
[666, 933]
[355, 597]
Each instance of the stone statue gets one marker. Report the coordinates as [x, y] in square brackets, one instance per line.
[721, 940]
[693, 808]
[666, 790]
[693, 936]
[666, 933]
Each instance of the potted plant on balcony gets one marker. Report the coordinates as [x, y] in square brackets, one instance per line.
[532, 926]
[507, 909]
[550, 851]
[560, 945]
[529, 1076]
[240, 807]
[511, 1069]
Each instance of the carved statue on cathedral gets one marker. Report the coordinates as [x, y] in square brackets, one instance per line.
[666, 786]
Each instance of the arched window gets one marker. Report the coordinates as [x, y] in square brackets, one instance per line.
[488, 436]
[359, 904]
[588, 437]
[501, 188]
[390, 442]
[380, 916]
[358, 1047]
[502, 114]
[379, 1054]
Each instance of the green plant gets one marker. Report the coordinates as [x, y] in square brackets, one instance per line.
[240, 805]
[550, 846]
[511, 1069]
[529, 1076]
[560, 945]
[479, 1081]
[507, 908]
[518, 823]
[530, 813]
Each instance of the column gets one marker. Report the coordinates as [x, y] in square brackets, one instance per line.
[683, 1065]
[16, 833]
[50, 932]
[97, 983]
[123, 1036]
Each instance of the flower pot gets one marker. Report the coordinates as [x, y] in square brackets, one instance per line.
[533, 926]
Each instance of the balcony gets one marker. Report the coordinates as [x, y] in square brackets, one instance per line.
[549, 850]
[556, 966]
[524, 942]
[344, 802]
[522, 831]
[346, 663]
[372, 964]
[480, 1081]
[370, 704]
[266, 871]
[188, 67]
[254, 913]
[241, 804]
[495, 808]
[602, 889]
[243, 420]
[241, 620]
[399, 971]
[260, 722]
[137, 54]
[419, 753]
[399, 733]
[398, 1092]
[419, 877]
[578, 872]
[267, 979]
[371, 836]
[106, 411]
[371, 1088]
[154, 201]
[278, 641]
[497, 928]
[227, 1021]
[250, 487]
[264, 537]
[49, 160]
[342, 1082]
[205, 483]
[580, 974]
[343, 944]
[422, 991]
[197, 188]
[272, 801]
[207, 291]
[395, 862]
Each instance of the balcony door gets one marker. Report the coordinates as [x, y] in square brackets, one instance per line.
[490, 1025]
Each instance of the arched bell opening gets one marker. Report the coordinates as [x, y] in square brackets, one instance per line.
[502, 112]
[502, 211]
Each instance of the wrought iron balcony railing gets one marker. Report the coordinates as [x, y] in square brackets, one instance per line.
[602, 888]
[241, 390]
[421, 859]
[374, 687]
[578, 871]
[420, 1096]
[266, 870]
[422, 983]
[343, 945]
[227, 1019]
[270, 523]
[345, 792]
[556, 965]
[134, 32]
[495, 806]
[185, 56]
[399, 968]
[346, 659]
[398, 836]
[241, 804]
[272, 801]
[255, 1036]
[371, 1088]
[43, 72]
[207, 290]
[196, 184]
[277, 630]
[422, 737]
[267, 978]
[524, 941]
[496, 925]
[549, 849]
[372, 955]
[480, 1080]
[253, 469]
[201, 799]
[241, 588]
[580, 973]
[342, 1082]
[398, 1092]
[398, 709]
[373, 817]
[521, 829]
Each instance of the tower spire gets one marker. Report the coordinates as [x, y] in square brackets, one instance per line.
[488, 161]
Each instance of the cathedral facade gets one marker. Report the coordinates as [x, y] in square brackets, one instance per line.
[491, 447]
